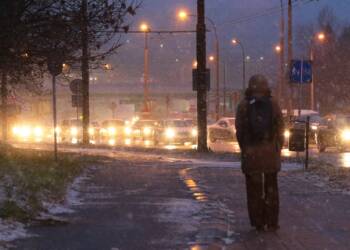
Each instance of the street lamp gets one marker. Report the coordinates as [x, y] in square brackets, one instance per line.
[278, 48]
[320, 37]
[144, 27]
[238, 42]
[183, 15]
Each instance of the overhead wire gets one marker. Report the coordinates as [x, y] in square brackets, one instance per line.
[267, 12]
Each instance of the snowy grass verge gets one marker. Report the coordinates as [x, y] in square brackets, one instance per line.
[325, 174]
[32, 184]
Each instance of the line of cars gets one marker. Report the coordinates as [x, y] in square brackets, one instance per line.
[116, 131]
[325, 132]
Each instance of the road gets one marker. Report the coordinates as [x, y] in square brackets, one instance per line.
[138, 200]
[331, 157]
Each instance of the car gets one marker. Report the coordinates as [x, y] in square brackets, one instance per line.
[29, 132]
[176, 131]
[114, 131]
[71, 131]
[146, 130]
[223, 129]
[334, 133]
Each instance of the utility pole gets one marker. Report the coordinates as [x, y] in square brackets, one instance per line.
[4, 107]
[217, 99]
[85, 71]
[224, 88]
[290, 54]
[146, 109]
[281, 86]
[201, 88]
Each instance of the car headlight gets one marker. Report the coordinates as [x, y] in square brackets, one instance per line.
[112, 131]
[170, 133]
[345, 135]
[313, 127]
[286, 134]
[58, 130]
[38, 132]
[127, 131]
[194, 132]
[25, 132]
[74, 131]
[147, 131]
[91, 131]
[16, 130]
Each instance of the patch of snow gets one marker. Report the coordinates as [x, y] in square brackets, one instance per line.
[292, 166]
[56, 209]
[73, 193]
[11, 230]
[181, 212]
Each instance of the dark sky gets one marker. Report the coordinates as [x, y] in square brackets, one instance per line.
[172, 55]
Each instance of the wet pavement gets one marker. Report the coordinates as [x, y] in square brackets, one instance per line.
[139, 201]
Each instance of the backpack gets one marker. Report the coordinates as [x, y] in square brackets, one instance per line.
[260, 119]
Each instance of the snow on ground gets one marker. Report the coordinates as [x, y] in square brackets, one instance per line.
[11, 230]
[286, 166]
[73, 197]
[181, 213]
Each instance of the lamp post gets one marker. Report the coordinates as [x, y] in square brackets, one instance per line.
[237, 42]
[280, 87]
[320, 37]
[145, 28]
[183, 15]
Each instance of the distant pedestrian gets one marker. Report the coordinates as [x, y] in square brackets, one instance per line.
[259, 130]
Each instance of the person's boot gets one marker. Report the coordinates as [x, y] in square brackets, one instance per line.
[272, 228]
[260, 228]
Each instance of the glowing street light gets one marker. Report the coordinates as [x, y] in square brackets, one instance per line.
[278, 48]
[321, 36]
[182, 15]
[195, 64]
[211, 58]
[144, 27]
[244, 59]
[107, 66]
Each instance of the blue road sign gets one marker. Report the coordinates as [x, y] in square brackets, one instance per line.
[301, 71]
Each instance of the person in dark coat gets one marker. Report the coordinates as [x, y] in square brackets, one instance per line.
[260, 155]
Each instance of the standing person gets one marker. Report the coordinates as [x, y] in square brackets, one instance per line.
[259, 130]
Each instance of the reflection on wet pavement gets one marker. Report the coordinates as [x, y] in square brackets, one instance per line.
[345, 160]
[192, 185]
[215, 218]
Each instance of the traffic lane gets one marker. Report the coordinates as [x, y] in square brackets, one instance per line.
[106, 150]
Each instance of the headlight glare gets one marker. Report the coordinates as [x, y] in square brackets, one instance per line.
[194, 132]
[170, 133]
[147, 131]
[286, 134]
[345, 135]
[74, 131]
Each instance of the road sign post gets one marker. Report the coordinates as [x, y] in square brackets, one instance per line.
[301, 73]
[55, 66]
